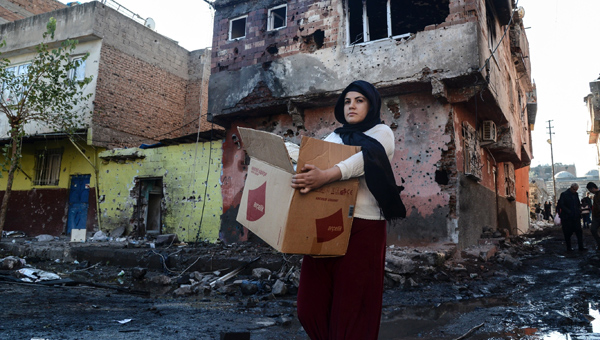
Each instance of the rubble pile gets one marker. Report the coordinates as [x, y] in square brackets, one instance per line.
[257, 272]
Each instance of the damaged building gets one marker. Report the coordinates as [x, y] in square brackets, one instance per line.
[145, 89]
[455, 78]
[592, 102]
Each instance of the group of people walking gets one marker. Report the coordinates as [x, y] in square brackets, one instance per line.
[571, 210]
[544, 213]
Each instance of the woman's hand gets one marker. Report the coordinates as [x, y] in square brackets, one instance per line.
[311, 177]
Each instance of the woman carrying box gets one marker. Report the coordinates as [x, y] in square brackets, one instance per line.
[341, 297]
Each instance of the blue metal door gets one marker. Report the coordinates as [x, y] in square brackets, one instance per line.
[79, 195]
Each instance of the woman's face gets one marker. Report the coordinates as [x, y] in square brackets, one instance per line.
[356, 107]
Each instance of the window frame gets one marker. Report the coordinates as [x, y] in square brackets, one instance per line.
[19, 70]
[365, 24]
[47, 167]
[271, 19]
[245, 17]
[73, 72]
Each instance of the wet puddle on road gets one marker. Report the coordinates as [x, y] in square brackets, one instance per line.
[419, 322]
[422, 322]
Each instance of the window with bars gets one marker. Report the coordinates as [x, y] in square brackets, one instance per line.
[380, 19]
[47, 166]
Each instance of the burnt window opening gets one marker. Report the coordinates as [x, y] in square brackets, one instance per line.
[237, 28]
[381, 19]
[490, 18]
[277, 18]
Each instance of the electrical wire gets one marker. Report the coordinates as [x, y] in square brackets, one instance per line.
[487, 61]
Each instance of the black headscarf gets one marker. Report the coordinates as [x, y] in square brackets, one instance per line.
[378, 170]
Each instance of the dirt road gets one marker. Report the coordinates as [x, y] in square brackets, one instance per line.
[542, 293]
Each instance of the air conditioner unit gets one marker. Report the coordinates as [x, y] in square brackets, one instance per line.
[488, 131]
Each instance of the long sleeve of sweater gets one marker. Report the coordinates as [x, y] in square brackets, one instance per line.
[354, 166]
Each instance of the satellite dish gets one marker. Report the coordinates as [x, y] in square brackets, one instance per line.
[150, 23]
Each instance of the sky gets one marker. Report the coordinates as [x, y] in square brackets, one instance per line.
[565, 58]
[189, 22]
[564, 52]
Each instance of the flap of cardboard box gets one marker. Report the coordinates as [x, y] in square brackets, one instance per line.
[267, 147]
[323, 155]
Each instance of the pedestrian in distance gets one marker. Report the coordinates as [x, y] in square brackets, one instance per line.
[341, 297]
[548, 211]
[569, 207]
[593, 188]
[538, 212]
[586, 210]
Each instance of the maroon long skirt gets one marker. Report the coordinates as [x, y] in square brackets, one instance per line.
[340, 297]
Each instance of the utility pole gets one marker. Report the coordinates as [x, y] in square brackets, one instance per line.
[552, 160]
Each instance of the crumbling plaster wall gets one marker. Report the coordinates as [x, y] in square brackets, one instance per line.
[446, 53]
[187, 171]
[423, 158]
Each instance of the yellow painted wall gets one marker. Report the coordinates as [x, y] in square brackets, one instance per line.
[72, 163]
[184, 169]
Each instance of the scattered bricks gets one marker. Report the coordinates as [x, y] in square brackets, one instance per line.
[228, 290]
[399, 279]
[261, 273]
[249, 287]
[184, 290]
[11, 263]
[285, 320]
[197, 276]
[483, 252]
[400, 265]
[166, 239]
[162, 280]
[279, 288]
[138, 273]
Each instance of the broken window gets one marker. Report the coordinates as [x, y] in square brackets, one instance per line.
[47, 166]
[509, 180]
[277, 17]
[380, 19]
[237, 28]
[472, 152]
[77, 73]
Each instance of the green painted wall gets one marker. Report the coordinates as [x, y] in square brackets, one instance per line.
[184, 169]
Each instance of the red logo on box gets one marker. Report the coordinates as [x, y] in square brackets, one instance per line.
[256, 203]
[330, 227]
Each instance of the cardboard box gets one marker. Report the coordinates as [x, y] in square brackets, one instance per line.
[316, 223]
